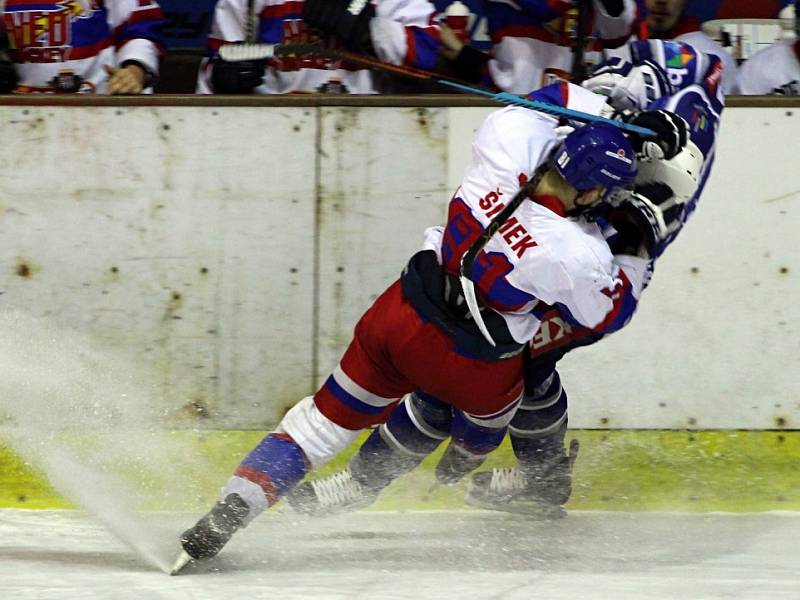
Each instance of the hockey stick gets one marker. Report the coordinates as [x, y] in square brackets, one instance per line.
[468, 258]
[581, 32]
[234, 52]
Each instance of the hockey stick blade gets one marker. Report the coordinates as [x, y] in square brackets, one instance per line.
[468, 288]
[240, 52]
[182, 560]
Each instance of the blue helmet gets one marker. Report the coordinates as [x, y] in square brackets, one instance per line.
[594, 155]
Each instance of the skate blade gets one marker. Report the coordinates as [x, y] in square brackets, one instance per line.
[537, 510]
[183, 560]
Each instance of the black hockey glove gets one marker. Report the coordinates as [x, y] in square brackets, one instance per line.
[613, 8]
[455, 463]
[8, 77]
[645, 220]
[550, 478]
[236, 77]
[347, 20]
[672, 134]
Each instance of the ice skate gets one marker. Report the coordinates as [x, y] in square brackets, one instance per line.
[337, 493]
[510, 490]
[213, 531]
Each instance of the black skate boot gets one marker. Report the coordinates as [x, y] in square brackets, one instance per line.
[213, 531]
[539, 491]
[337, 493]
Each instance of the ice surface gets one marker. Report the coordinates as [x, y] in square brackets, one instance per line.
[466, 555]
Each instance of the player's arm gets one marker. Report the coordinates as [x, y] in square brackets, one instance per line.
[395, 32]
[139, 43]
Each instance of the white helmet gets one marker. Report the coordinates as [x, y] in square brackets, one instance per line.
[681, 173]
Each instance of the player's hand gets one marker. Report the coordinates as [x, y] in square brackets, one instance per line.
[672, 134]
[8, 77]
[125, 80]
[451, 45]
[236, 77]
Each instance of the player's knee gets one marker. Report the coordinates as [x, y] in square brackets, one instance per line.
[419, 424]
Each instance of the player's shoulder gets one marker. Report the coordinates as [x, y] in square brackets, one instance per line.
[574, 246]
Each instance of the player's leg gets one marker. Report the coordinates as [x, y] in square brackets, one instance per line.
[541, 482]
[414, 429]
[361, 392]
[473, 438]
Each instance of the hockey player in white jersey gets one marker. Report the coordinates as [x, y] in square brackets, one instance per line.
[396, 31]
[775, 69]
[667, 189]
[81, 46]
[418, 335]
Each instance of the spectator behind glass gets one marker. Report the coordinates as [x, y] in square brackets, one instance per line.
[668, 19]
[396, 31]
[81, 46]
[775, 69]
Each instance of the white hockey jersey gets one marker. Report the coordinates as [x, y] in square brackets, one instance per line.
[402, 32]
[539, 258]
[62, 45]
[773, 70]
[533, 39]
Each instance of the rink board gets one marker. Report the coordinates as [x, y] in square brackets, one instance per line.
[230, 250]
[616, 470]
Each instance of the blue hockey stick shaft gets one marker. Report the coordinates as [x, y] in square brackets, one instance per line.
[233, 52]
[545, 107]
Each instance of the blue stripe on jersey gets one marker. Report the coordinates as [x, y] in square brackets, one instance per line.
[626, 306]
[270, 31]
[427, 49]
[87, 32]
[554, 93]
[349, 400]
[500, 13]
[148, 30]
[498, 292]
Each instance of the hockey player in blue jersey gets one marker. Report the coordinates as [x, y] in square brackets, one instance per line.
[658, 76]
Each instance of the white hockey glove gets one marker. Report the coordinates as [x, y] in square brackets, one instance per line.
[628, 87]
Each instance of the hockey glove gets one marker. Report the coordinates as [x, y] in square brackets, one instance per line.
[236, 77]
[8, 77]
[455, 463]
[646, 220]
[347, 20]
[629, 87]
[672, 134]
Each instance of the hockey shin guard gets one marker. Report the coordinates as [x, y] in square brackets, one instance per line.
[414, 430]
